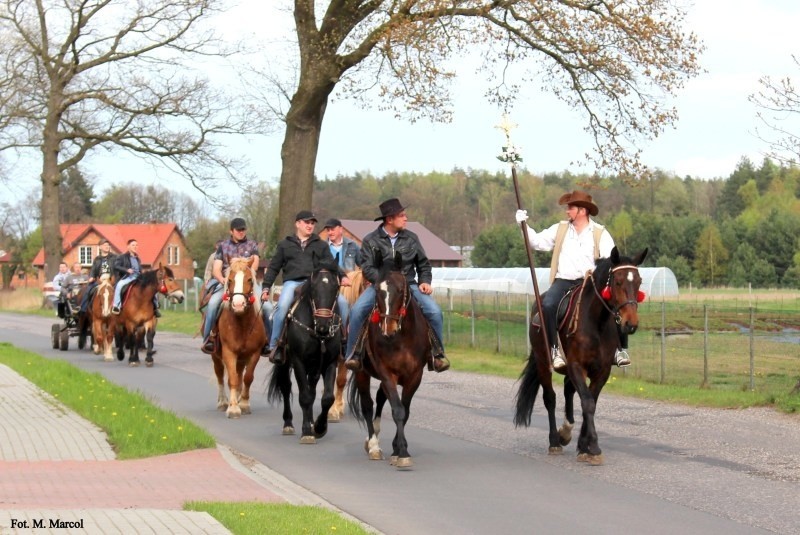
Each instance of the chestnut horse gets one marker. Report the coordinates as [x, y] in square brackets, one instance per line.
[397, 350]
[357, 284]
[313, 345]
[135, 323]
[605, 302]
[241, 336]
[103, 321]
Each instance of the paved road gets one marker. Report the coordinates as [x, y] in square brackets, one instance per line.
[668, 468]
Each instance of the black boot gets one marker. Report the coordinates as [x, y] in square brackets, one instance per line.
[157, 312]
[353, 360]
[209, 344]
[276, 355]
[440, 363]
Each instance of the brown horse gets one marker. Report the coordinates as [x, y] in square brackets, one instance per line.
[397, 351]
[135, 323]
[605, 304]
[351, 294]
[240, 339]
[103, 321]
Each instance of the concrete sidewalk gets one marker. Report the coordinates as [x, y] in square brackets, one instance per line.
[58, 471]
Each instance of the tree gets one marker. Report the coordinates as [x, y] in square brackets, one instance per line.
[76, 194]
[499, 246]
[710, 256]
[80, 74]
[779, 107]
[137, 203]
[614, 61]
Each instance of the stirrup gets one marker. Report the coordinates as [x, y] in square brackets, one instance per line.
[621, 358]
[208, 345]
[441, 364]
[276, 355]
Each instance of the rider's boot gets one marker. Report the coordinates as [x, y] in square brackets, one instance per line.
[440, 363]
[621, 358]
[558, 359]
[209, 343]
[353, 361]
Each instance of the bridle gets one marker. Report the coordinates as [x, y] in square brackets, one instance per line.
[605, 294]
[319, 313]
[377, 316]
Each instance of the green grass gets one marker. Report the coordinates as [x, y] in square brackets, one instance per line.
[254, 518]
[135, 427]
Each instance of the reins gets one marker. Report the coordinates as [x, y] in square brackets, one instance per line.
[317, 312]
[615, 311]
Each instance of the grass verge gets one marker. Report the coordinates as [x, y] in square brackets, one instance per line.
[254, 518]
[135, 427]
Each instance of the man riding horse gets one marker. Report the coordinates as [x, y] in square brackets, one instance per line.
[390, 237]
[102, 265]
[128, 268]
[238, 246]
[576, 244]
[295, 258]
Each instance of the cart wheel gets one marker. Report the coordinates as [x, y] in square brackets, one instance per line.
[55, 332]
[64, 341]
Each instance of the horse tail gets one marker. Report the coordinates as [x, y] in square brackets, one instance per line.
[526, 393]
[277, 377]
[354, 399]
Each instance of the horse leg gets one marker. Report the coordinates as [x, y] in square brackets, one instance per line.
[247, 380]
[400, 457]
[234, 411]
[135, 339]
[372, 444]
[219, 371]
[337, 410]
[549, 399]
[150, 334]
[285, 385]
[588, 448]
[307, 393]
[565, 431]
[321, 424]
[380, 401]
[119, 340]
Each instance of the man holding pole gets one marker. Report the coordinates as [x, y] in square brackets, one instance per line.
[576, 243]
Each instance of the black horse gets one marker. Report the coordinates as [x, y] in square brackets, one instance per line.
[397, 350]
[313, 346]
[605, 304]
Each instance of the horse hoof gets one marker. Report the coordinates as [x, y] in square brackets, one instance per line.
[402, 462]
[334, 417]
[308, 440]
[288, 430]
[583, 457]
[108, 359]
[246, 410]
[233, 414]
[555, 450]
[375, 455]
[222, 406]
[149, 363]
[595, 460]
[134, 364]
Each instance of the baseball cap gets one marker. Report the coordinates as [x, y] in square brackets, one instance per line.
[332, 222]
[305, 215]
[237, 223]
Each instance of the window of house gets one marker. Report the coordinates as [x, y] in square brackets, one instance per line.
[173, 255]
[85, 255]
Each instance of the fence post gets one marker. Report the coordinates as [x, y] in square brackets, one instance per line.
[449, 313]
[497, 320]
[752, 349]
[662, 371]
[705, 346]
[472, 315]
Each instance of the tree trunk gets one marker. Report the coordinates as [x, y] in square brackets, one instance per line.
[51, 231]
[299, 154]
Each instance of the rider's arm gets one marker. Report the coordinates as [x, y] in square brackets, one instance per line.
[216, 271]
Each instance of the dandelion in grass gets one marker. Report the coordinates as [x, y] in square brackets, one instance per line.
[164, 437]
[152, 421]
[113, 414]
[130, 435]
[180, 428]
[641, 389]
[241, 513]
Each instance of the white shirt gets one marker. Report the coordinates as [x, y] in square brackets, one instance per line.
[577, 251]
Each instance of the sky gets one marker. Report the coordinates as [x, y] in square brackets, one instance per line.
[744, 39]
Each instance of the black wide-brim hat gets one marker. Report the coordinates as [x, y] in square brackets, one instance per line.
[580, 198]
[390, 207]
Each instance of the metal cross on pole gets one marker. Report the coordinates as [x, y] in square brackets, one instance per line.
[511, 156]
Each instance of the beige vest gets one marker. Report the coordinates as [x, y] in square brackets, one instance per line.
[561, 233]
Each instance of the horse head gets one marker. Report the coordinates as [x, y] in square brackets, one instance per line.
[240, 287]
[391, 296]
[621, 294]
[167, 284]
[323, 293]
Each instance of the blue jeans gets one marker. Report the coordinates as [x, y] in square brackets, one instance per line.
[266, 316]
[121, 285]
[366, 301]
[282, 308]
[550, 300]
[212, 310]
[267, 308]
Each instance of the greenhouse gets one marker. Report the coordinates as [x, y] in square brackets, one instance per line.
[656, 281]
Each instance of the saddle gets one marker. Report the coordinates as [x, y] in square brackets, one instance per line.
[565, 308]
[436, 346]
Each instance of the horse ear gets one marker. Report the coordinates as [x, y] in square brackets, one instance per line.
[336, 258]
[639, 259]
[398, 261]
[614, 255]
[314, 260]
[378, 260]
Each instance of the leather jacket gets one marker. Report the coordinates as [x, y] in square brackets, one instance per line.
[416, 266]
[296, 262]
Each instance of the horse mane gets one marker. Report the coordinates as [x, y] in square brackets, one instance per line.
[236, 264]
[149, 277]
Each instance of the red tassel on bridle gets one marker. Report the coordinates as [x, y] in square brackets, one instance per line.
[375, 317]
[640, 296]
[606, 293]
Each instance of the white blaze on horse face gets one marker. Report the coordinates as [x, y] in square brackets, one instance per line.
[238, 299]
[630, 276]
[384, 287]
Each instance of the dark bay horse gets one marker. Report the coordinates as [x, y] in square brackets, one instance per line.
[397, 351]
[314, 343]
[135, 323]
[102, 320]
[240, 339]
[605, 302]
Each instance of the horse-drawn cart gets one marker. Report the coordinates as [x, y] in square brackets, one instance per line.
[68, 309]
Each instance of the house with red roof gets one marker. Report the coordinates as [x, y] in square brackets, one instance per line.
[158, 243]
[439, 253]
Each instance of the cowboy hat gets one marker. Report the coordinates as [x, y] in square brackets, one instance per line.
[580, 198]
[390, 207]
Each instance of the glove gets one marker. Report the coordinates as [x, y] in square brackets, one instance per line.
[522, 216]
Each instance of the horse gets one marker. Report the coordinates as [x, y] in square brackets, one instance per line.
[606, 301]
[241, 336]
[398, 349]
[102, 320]
[135, 323]
[351, 293]
[314, 343]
